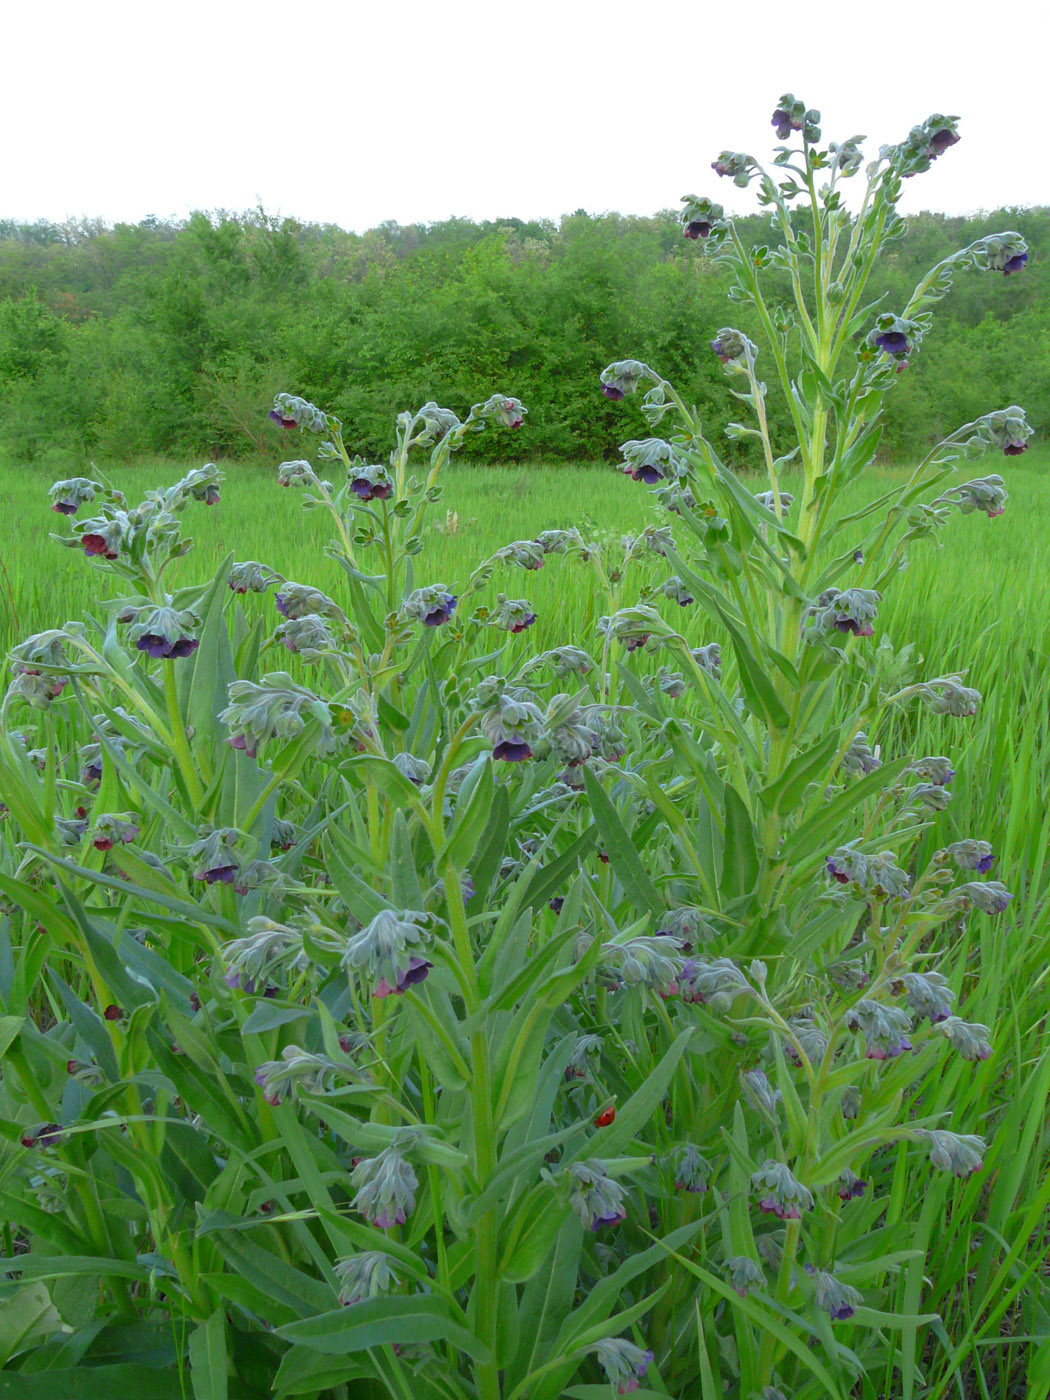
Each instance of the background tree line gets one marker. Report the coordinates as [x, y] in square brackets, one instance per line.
[172, 337]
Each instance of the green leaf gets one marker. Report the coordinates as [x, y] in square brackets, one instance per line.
[473, 806]
[10, 1026]
[621, 850]
[424, 1317]
[267, 1016]
[493, 843]
[534, 1226]
[758, 689]
[122, 1382]
[304, 1371]
[785, 792]
[740, 852]
[27, 1317]
[207, 1350]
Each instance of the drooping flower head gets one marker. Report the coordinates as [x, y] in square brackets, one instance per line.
[692, 1172]
[701, 218]
[779, 1193]
[365, 1275]
[650, 460]
[730, 344]
[68, 496]
[514, 614]
[432, 605]
[370, 483]
[962, 1154]
[792, 115]
[507, 412]
[388, 950]
[623, 377]
[884, 1028]
[1008, 429]
[595, 1197]
[743, 1274]
[290, 411]
[838, 1300]
[386, 1188]
[624, 1363]
[510, 718]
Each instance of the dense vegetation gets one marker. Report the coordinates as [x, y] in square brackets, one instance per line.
[173, 337]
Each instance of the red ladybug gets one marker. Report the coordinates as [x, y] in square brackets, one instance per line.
[605, 1118]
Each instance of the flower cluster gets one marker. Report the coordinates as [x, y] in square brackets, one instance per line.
[779, 1193]
[386, 1188]
[388, 950]
[595, 1197]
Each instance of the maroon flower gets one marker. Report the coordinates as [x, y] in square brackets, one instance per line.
[98, 545]
[239, 742]
[282, 419]
[526, 621]
[65, 507]
[220, 874]
[156, 644]
[611, 392]
[1013, 447]
[699, 228]
[940, 141]
[367, 490]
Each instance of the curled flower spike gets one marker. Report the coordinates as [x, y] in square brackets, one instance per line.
[962, 1154]
[883, 1028]
[717, 983]
[927, 994]
[290, 411]
[215, 861]
[969, 1038]
[650, 460]
[510, 719]
[296, 473]
[269, 948]
[838, 1300]
[743, 1274]
[779, 1193]
[514, 614]
[992, 897]
[736, 165]
[701, 218]
[370, 483]
[730, 344]
[110, 830]
[595, 1197]
[251, 577]
[526, 554]
[68, 496]
[365, 1275]
[860, 758]
[948, 696]
[970, 855]
[296, 600]
[692, 1173]
[1008, 429]
[432, 606]
[624, 1364]
[586, 1047]
[508, 413]
[985, 493]
[645, 960]
[389, 950]
[311, 637]
[386, 1188]
[623, 377]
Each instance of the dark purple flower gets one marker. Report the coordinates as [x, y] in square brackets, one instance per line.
[940, 141]
[1013, 264]
[985, 864]
[1013, 447]
[613, 1218]
[840, 1313]
[647, 472]
[857, 629]
[220, 874]
[556, 903]
[893, 342]
[526, 621]
[415, 972]
[70, 507]
[611, 392]
[46, 1135]
[512, 751]
[91, 774]
[238, 741]
[282, 419]
[633, 643]
[157, 645]
[98, 545]
[436, 616]
[699, 228]
[367, 490]
[781, 120]
[888, 1050]
[835, 871]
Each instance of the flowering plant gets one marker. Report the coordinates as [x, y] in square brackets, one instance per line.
[446, 1017]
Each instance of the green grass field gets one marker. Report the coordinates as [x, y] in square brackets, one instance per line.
[978, 605]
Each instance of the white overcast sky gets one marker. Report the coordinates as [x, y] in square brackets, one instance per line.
[366, 110]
